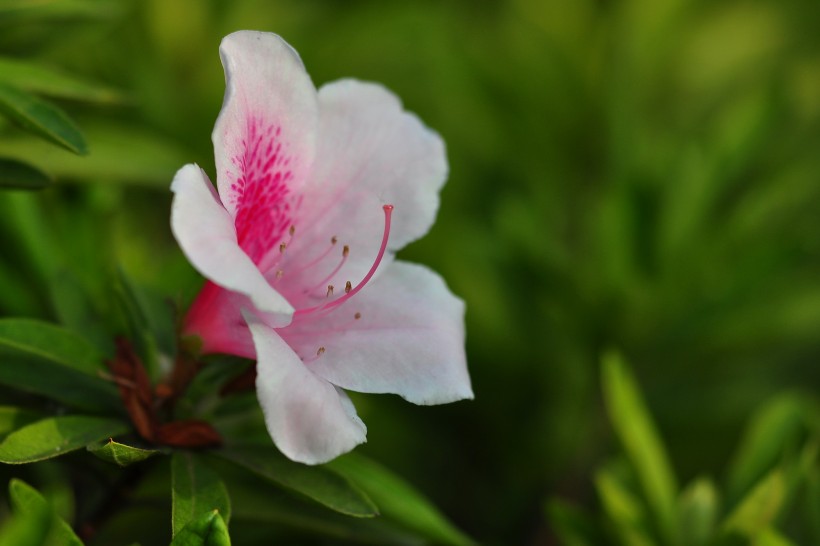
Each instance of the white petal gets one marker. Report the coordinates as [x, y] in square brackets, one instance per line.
[264, 138]
[310, 420]
[370, 153]
[409, 339]
[206, 233]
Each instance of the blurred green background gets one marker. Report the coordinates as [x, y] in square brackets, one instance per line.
[640, 174]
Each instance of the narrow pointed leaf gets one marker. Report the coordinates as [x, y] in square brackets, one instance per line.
[642, 444]
[56, 436]
[397, 500]
[36, 78]
[320, 484]
[42, 118]
[209, 529]
[18, 175]
[195, 490]
[26, 500]
[623, 509]
[771, 431]
[120, 454]
[699, 510]
[759, 508]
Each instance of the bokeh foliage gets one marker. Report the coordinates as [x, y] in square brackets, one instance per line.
[635, 174]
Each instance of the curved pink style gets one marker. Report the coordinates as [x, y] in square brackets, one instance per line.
[316, 192]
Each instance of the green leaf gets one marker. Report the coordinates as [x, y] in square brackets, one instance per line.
[139, 330]
[56, 436]
[757, 511]
[21, 176]
[13, 418]
[42, 80]
[640, 440]
[195, 489]
[398, 500]
[770, 537]
[26, 500]
[17, 11]
[320, 484]
[699, 510]
[120, 454]
[50, 342]
[41, 118]
[208, 529]
[27, 528]
[42, 358]
[570, 524]
[772, 430]
[623, 509]
[119, 154]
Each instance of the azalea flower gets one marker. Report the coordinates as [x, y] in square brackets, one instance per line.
[316, 192]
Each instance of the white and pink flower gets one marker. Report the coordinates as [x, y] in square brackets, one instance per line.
[316, 192]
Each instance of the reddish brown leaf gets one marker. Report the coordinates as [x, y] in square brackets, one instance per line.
[191, 433]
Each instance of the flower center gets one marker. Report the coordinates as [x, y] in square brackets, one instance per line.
[349, 290]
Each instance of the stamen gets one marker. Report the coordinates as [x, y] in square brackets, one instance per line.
[319, 258]
[357, 316]
[282, 247]
[345, 253]
[388, 212]
[348, 287]
[320, 352]
[279, 274]
[329, 290]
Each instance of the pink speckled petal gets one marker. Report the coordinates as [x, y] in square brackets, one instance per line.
[205, 231]
[408, 339]
[370, 152]
[310, 420]
[264, 138]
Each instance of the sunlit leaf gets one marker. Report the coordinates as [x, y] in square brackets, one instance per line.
[208, 529]
[120, 454]
[640, 440]
[320, 484]
[772, 430]
[26, 500]
[699, 511]
[624, 510]
[56, 436]
[39, 79]
[41, 118]
[21, 176]
[398, 500]
[195, 490]
[759, 508]
[118, 153]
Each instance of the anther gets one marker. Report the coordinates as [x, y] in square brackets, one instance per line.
[357, 316]
[333, 240]
[292, 230]
[348, 287]
[282, 247]
[345, 251]
[329, 290]
[320, 352]
[279, 274]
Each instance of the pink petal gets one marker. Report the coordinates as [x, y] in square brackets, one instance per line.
[310, 420]
[370, 153]
[205, 231]
[264, 137]
[408, 340]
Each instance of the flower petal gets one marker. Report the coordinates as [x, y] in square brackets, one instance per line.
[310, 420]
[408, 339]
[206, 233]
[264, 137]
[370, 152]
